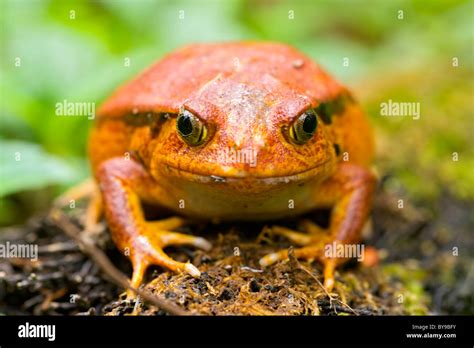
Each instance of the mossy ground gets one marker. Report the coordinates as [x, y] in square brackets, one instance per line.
[418, 271]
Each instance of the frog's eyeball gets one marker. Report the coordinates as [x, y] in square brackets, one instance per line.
[190, 128]
[304, 127]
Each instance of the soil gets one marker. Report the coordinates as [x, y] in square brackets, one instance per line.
[412, 267]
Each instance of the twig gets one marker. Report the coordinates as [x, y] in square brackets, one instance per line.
[57, 247]
[88, 246]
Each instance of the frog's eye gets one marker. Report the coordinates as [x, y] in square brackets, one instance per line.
[304, 127]
[190, 128]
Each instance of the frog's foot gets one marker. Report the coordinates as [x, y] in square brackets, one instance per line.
[350, 208]
[313, 247]
[310, 252]
[147, 249]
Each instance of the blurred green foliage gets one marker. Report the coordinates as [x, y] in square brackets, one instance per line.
[75, 51]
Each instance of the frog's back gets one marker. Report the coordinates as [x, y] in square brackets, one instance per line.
[169, 83]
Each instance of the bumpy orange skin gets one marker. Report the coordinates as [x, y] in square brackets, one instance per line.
[247, 94]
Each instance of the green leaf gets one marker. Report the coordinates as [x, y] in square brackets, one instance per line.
[25, 166]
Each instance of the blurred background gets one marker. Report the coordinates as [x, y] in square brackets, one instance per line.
[80, 51]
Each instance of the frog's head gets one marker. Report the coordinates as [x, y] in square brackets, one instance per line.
[237, 129]
[252, 111]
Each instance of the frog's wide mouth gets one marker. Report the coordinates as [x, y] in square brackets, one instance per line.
[216, 177]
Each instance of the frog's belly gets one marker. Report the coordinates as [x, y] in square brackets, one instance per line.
[226, 201]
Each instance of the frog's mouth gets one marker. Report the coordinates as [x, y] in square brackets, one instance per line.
[322, 170]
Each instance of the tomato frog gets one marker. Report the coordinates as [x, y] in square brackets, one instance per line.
[179, 138]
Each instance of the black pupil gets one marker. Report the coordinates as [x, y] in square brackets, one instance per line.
[309, 123]
[185, 125]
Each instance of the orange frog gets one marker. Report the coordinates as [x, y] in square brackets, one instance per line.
[233, 131]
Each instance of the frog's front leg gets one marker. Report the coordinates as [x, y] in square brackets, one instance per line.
[349, 193]
[124, 184]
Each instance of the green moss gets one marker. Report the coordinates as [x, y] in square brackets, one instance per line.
[411, 294]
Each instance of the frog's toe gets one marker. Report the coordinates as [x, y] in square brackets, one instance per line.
[174, 238]
[160, 233]
[313, 229]
[329, 268]
[272, 258]
[295, 237]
